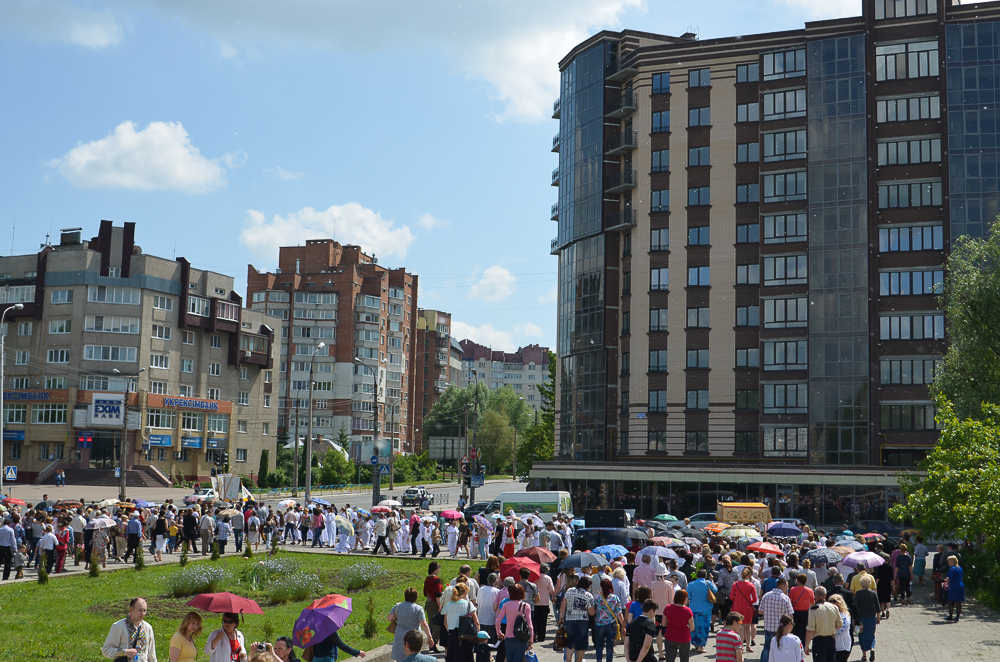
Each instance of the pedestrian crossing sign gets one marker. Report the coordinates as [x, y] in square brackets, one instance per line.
[118, 472]
[383, 470]
[10, 473]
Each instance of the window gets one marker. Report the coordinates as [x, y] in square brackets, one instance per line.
[214, 394]
[699, 77]
[698, 318]
[658, 279]
[903, 239]
[784, 104]
[46, 414]
[187, 365]
[908, 371]
[215, 342]
[919, 150]
[908, 109]
[748, 152]
[658, 402]
[187, 337]
[199, 306]
[661, 121]
[626, 249]
[912, 327]
[913, 194]
[215, 369]
[157, 387]
[102, 294]
[786, 313]
[191, 420]
[784, 228]
[782, 186]
[700, 116]
[785, 145]
[785, 270]
[656, 441]
[267, 400]
[244, 372]
[696, 442]
[626, 284]
[185, 391]
[626, 363]
[267, 373]
[57, 356]
[17, 414]
[901, 8]
[785, 355]
[699, 156]
[22, 357]
[43, 451]
[699, 236]
[102, 383]
[908, 417]
[24, 328]
[161, 332]
[660, 201]
[746, 442]
[241, 455]
[748, 316]
[109, 353]
[916, 59]
[748, 192]
[626, 323]
[698, 277]
[62, 296]
[55, 383]
[21, 294]
[108, 324]
[162, 303]
[244, 398]
[18, 383]
[59, 326]
[700, 195]
[161, 361]
[658, 319]
[748, 112]
[748, 358]
[331, 298]
[785, 398]
[786, 442]
[906, 283]
[697, 358]
[748, 234]
[15, 451]
[658, 360]
[747, 274]
[241, 427]
[661, 160]
[785, 64]
[749, 399]
[748, 73]
[697, 399]
[227, 311]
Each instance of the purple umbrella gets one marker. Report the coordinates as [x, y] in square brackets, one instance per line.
[321, 619]
[870, 559]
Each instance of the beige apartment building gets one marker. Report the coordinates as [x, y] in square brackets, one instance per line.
[111, 338]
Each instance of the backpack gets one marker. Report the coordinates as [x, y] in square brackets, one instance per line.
[253, 525]
[521, 631]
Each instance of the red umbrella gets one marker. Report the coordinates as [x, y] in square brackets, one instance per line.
[225, 603]
[537, 554]
[765, 548]
[451, 514]
[381, 509]
[512, 568]
[11, 501]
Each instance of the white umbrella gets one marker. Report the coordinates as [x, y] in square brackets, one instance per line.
[108, 502]
[533, 520]
[287, 503]
[656, 551]
[498, 516]
[389, 503]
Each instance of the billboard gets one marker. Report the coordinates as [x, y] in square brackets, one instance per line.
[361, 451]
[106, 411]
[447, 448]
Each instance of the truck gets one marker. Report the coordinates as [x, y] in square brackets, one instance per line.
[547, 504]
[742, 513]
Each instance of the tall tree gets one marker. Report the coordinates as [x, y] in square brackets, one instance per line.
[262, 472]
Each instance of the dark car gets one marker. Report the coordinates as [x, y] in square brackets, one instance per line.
[476, 509]
[876, 526]
[589, 538]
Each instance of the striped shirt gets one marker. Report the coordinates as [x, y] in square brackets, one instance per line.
[773, 606]
[727, 642]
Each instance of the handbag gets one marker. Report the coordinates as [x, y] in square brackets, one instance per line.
[618, 627]
[521, 631]
[711, 596]
[391, 629]
[559, 642]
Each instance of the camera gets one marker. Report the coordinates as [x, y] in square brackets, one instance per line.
[261, 647]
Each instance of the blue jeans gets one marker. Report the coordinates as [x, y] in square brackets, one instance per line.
[482, 548]
[515, 649]
[766, 653]
[604, 640]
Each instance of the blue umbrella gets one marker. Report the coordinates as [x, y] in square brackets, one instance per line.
[578, 522]
[139, 503]
[362, 511]
[783, 529]
[610, 551]
[853, 544]
[322, 502]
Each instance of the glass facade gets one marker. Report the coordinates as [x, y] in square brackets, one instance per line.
[972, 52]
[838, 252]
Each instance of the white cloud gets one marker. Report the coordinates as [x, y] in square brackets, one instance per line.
[512, 46]
[61, 22]
[552, 296]
[235, 159]
[825, 9]
[157, 158]
[281, 173]
[429, 222]
[484, 335]
[528, 330]
[496, 285]
[349, 224]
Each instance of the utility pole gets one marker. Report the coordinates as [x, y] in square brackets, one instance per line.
[309, 434]
[295, 442]
[392, 449]
[16, 306]
[475, 429]
[123, 442]
[376, 475]
[521, 399]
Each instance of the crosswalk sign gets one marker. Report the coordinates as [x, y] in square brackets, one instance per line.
[10, 473]
[383, 470]
[118, 472]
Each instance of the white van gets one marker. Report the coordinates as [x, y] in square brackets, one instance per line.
[524, 503]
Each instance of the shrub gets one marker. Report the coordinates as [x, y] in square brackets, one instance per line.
[274, 543]
[361, 575]
[43, 573]
[293, 588]
[200, 578]
[140, 558]
[278, 478]
[184, 554]
[215, 552]
[982, 576]
[370, 624]
[257, 575]
[95, 566]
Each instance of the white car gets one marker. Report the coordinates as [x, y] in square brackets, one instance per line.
[199, 496]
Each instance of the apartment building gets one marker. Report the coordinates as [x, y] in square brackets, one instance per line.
[108, 335]
[804, 189]
[522, 370]
[438, 365]
[351, 324]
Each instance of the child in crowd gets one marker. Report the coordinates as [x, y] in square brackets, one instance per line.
[19, 557]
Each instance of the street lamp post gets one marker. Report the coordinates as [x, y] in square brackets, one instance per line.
[473, 468]
[376, 476]
[123, 445]
[3, 355]
[308, 458]
[521, 398]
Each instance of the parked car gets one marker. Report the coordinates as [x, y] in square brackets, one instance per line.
[413, 496]
[523, 478]
[474, 509]
[876, 526]
[199, 496]
[589, 538]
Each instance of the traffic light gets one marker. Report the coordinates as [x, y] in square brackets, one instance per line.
[482, 469]
[214, 472]
[225, 458]
[465, 469]
[467, 481]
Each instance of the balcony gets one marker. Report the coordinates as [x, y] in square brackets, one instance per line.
[440, 386]
[616, 72]
[623, 144]
[554, 216]
[555, 177]
[556, 107]
[554, 247]
[441, 359]
[623, 219]
[555, 143]
[624, 105]
[620, 182]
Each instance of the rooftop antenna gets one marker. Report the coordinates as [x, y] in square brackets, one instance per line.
[175, 251]
[13, 230]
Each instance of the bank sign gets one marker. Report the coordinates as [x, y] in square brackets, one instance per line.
[107, 410]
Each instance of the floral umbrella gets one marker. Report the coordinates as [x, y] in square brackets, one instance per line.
[321, 619]
[716, 527]
[344, 525]
[665, 541]
[483, 522]
[662, 552]
[738, 532]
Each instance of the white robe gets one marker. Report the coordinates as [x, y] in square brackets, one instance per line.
[453, 539]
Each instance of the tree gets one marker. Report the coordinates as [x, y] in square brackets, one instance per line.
[336, 469]
[262, 472]
[960, 494]
[970, 373]
[539, 440]
[496, 441]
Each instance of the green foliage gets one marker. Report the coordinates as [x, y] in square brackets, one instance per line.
[184, 554]
[294, 588]
[336, 469]
[414, 468]
[43, 573]
[274, 544]
[370, 625]
[199, 578]
[278, 478]
[265, 458]
[970, 374]
[959, 494]
[257, 575]
[269, 631]
[95, 566]
[140, 558]
[361, 575]
[982, 576]
[215, 552]
[247, 551]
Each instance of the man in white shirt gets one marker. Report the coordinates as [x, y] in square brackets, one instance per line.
[8, 545]
[48, 547]
[78, 524]
[131, 637]
[381, 528]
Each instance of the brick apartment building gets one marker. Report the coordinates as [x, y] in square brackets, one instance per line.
[522, 370]
[438, 360]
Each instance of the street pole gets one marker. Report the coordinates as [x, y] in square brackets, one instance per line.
[521, 398]
[475, 429]
[123, 442]
[376, 468]
[295, 445]
[309, 434]
[3, 355]
[392, 449]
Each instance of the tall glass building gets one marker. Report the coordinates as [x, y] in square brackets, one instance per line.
[804, 188]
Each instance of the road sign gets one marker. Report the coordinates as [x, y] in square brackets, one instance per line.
[118, 472]
[374, 460]
[473, 454]
[10, 473]
[383, 470]
[640, 415]
[478, 481]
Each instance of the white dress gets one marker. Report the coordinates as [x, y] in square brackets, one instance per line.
[453, 539]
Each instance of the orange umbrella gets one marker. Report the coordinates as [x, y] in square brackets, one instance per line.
[716, 527]
[843, 551]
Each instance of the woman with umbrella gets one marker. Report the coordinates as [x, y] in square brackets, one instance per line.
[324, 618]
[509, 539]
[226, 644]
[406, 616]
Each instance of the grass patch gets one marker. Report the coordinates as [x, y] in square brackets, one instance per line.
[68, 618]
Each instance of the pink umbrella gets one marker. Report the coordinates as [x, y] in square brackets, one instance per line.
[870, 559]
[451, 514]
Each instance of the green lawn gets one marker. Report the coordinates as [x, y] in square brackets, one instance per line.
[68, 618]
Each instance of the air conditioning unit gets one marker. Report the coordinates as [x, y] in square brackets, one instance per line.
[247, 353]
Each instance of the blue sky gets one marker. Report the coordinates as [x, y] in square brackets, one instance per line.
[420, 130]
